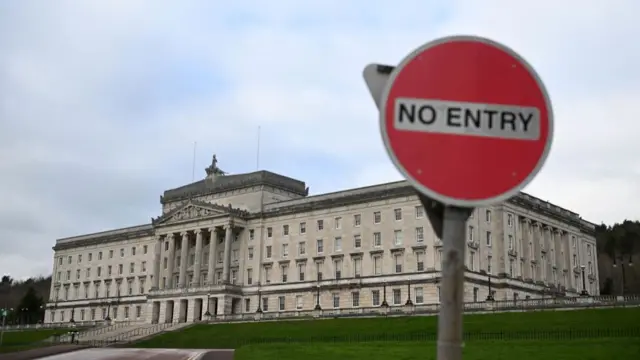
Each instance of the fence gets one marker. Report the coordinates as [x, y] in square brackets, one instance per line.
[559, 303]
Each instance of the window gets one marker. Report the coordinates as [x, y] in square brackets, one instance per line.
[338, 222]
[375, 297]
[488, 216]
[319, 271]
[78, 274]
[267, 275]
[397, 261]
[575, 260]
[397, 237]
[489, 258]
[419, 261]
[355, 299]
[133, 251]
[284, 269]
[281, 303]
[419, 212]
[250, 253]
[69, 260]
[234, 256]
[475, 294]
[100, 255]
[301, 268]
[145, 249]
[377, 239]
[221, 256]
[511, 268]
[510, 242]
[285, 230]
[109, 270]
[336, 300]
[299, 302]
[319, 246]
[132, 268]
[470, 233]
[419, 295]
[234, 277]
[589, 250]
[574, 242]
[337, 264]
[91, 256]
[110, 254]
[79, 258]
[249, 276]
[472, 257]
[269, 232]
[509, 220]
[252, 234]
[397, 296]
[397, 213]
[285, 250]
[302, 248]
[377, 217]
[357, 267]
[121, 252]
[120, 269]
[420, 234]
[377, 265]
[268, 252]
[303, 228]
[337, 244]
[357, 220]
[265, 304]
[357, 241]
[320, 224]
[489, 238]
[141, 284]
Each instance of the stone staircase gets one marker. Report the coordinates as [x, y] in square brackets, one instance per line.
[90, 332]
[129, 333]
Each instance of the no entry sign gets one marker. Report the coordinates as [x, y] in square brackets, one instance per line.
[466, 120]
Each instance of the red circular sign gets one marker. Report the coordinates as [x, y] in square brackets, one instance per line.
[466, 120]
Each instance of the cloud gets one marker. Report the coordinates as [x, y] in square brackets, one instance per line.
[100, 102]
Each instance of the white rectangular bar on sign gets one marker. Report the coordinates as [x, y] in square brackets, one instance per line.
[466, 118]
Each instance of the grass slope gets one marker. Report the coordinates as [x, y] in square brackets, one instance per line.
[595, 349]
[596, 321]
[23, 340]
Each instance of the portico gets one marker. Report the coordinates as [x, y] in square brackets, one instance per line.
[196, 262]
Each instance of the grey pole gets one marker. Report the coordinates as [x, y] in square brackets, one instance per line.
[452, 285]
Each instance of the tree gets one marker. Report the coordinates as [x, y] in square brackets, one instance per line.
[618, 244]
[31, 306]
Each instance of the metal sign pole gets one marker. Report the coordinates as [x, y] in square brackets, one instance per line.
[4, 323]
[452, 285]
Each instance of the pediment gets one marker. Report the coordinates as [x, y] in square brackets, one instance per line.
[191, 211]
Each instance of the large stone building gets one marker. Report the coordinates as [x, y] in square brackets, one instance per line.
[232, 244]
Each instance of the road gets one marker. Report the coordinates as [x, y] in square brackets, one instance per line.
[143, 354]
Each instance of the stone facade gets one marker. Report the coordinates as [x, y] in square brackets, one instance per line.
[232, 244]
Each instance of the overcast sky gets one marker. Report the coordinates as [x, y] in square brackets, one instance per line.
[101, 101]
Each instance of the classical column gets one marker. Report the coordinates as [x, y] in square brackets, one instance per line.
[171, 255]
[213, 240]
[227, 252]
[182, 279]
[196, 263]
[155, 284]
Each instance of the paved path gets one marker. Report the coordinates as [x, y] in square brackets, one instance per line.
[42, 352]
[143, 354]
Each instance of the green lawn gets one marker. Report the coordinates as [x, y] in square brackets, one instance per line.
[22, 340]
[532, 326]
[595, 349]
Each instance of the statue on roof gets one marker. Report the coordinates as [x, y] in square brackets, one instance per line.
[213, 169]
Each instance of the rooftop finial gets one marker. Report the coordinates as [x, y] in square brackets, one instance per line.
[213, 170]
